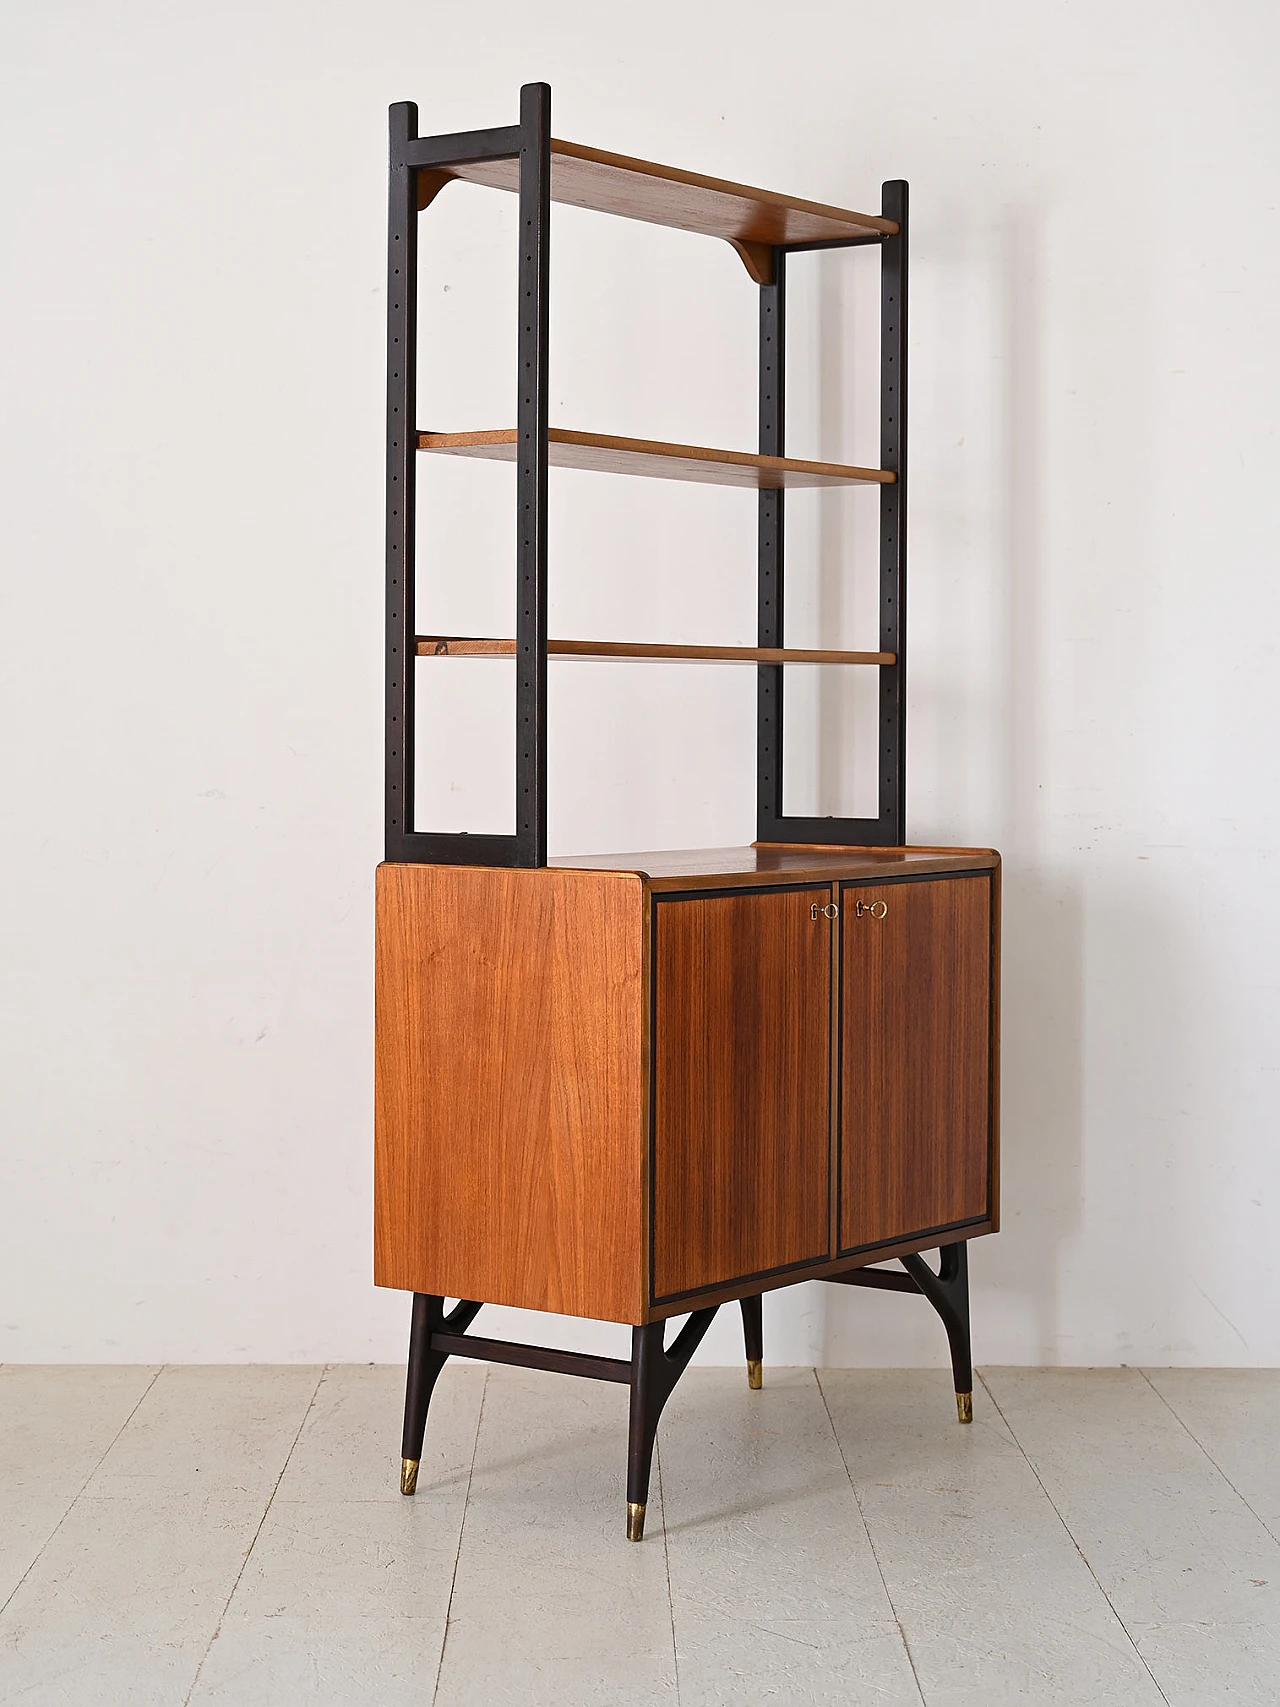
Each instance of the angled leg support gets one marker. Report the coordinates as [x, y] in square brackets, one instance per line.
[753, 1335]
[948, 1292]
[654, 1373]
[425, 1364]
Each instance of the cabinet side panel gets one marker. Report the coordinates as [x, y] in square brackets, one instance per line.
[509, 1100]
[916, 1115]
[742, 1006]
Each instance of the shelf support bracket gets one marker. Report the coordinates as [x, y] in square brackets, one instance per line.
[757, 258]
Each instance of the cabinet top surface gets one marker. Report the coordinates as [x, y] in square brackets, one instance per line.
[771, 863]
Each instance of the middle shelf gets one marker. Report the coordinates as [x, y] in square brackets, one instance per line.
[466, 646]
[603, 453]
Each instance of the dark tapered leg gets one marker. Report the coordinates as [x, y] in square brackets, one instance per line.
[753, 1335]
[654, 1373]
[948, 1292]
[648, 1392]
[424, 1367]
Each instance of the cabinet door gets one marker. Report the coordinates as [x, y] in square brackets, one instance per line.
[741, 1076]
[915, 1096]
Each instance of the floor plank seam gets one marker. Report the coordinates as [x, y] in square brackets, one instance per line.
[902, 1634]
[244, 1563]
[1079, 1549]
[1191, 1435]
[466, 1501]
[666, 1559]
[80, 1490]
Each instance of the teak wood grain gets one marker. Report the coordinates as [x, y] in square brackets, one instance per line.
[655, 459]
[468, 646]
[741, 1006]
[916, 1060]
[752, 220]
[509, 1107]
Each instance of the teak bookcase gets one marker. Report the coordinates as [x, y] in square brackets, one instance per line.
[640, 1086]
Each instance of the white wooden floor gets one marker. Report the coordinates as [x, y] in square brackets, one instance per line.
[236, 1536]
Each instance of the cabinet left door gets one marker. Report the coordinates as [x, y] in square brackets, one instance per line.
[741, 986]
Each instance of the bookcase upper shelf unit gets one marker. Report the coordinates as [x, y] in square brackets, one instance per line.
[765, 229]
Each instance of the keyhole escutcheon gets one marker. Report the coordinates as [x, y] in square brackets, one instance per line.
[830, 911]
[877, 909]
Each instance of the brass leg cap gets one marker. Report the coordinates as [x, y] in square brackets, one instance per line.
[635, 1520]
[964, 1407]
[755, 1374]
[409, 1475]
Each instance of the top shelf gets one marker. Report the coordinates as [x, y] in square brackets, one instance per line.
[753, 221]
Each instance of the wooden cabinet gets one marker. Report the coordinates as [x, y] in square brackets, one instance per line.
[632, 1087]
[620, 1089]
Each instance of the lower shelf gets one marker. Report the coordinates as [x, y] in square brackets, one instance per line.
[605, 453]
[467, 646]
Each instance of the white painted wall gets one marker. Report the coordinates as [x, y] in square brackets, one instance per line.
[193, 295]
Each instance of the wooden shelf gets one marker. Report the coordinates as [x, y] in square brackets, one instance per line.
[601, 453]
[753, 221]
[465, 646]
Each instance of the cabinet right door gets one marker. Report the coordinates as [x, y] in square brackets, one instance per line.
[915, 1057]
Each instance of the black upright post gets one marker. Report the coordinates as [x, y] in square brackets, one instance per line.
[531, 476]
[402, 365]
[770, 558]
[420, 166]
[888, 827]
[893, 517]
